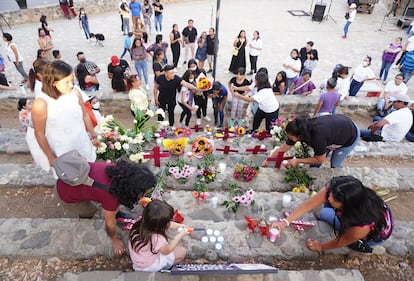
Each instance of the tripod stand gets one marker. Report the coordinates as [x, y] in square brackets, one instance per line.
[328, 14]
[5, 20]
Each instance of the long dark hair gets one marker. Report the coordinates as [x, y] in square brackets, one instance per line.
[300, 128]
[156, 218]
[262, 81]
[284, 77]
[36, 71]
[129, 181]
[360, 205]
[53, 72]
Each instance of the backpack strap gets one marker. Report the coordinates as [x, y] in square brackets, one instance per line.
[100, 186]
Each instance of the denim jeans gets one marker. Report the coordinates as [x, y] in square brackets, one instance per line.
[217, 113]
[142, 69]
[339, 155]
[354, 87]
[407, 76]
[158, 23]
[385, 67]
[346, 27]
[125, 51]
[85, 28]
[410, 136]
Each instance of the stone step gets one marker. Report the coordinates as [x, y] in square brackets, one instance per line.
[282, 275]
[270, 179]
[13, 141]
[82, 238]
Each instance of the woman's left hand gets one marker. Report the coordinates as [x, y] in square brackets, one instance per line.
[96, 142]
[292, 163]
[314, 245]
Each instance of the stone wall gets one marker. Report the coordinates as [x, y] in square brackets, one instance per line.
[55, 12]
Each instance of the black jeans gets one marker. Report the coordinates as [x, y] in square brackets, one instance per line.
[168, 106]
[201, 101]
[253, 63]
[186, 113]
[260, 115]
[176, 50]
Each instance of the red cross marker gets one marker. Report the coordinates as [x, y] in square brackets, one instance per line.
[256, 149]
[262, 135]
[156, 156]
[226, 149]
[278, 159]
[196, 128]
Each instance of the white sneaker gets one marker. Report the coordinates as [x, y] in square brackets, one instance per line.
[147, 87]
[208, 119]
[198, 121]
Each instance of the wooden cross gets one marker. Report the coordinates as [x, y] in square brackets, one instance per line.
[262, 136]
[226, 149]
[156, 156]
[279, 159]
[256, 149]
[196, 128]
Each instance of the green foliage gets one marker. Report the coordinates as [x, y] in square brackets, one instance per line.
[298, 176]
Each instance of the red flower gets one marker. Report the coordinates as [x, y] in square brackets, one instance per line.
[178, 218]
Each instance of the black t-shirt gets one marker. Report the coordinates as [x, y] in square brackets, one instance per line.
[210, 45]
[190, 34]
[168, 88]
[330, 132]
[156, 13]
[412, 127]
[118, 71]
[244, 83]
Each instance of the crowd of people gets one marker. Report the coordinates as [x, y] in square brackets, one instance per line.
[63, 117]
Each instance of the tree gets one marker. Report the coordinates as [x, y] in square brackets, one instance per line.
[22, 4]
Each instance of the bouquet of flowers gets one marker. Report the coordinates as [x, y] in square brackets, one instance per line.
[310, 190]
[240, 130]
[201, 191]
[201, 147]
[176, 146]
[239, 196]
[299, 179]
[245, 171]
[203, 83]
[179, 170]
[278, 129]
[207, 170]
[302, 150]
[182, 132]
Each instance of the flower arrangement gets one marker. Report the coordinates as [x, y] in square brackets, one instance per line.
[182, 132]
[245, 171]
[239, 130]
[278, 129]
[201, 191]
[310, 190]
[203, 83]
[302, 150]
[239, 196]
[261, 134]
[298, 178]
[201, 147]
[207, 170]
[180, 170]
[175, 146]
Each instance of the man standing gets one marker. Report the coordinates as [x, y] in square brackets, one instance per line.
[304, 51]
[168, 84]
[190, 37]
[394, 126]
[211, 48]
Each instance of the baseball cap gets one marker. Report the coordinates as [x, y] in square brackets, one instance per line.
[115, 61]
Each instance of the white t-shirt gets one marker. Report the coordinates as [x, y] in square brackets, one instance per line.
[361, 73]
[257, 44]
[352, 14]
[267, 100]
[410, 44]
[400, 122]
[295, 63]
[10, 53]
[342, 87]
[393, 90]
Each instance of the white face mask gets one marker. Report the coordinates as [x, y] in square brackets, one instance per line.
[191, 80]
[193, 68]
[96, 106]
[364, 63]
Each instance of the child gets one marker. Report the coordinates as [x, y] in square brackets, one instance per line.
[25, 110]
[237, 105]
[148, 245]
[83, 23]
[99, 38]
[127, 44]
[95, 108]
[185, 99]
[219, 95]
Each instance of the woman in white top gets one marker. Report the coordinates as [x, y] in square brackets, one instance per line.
[139, 99]
[14, 55]
[36, 76]
[362, 73]
[292, 65]
[268, 104]
[256, 46]
[350, 16]
[60, 117]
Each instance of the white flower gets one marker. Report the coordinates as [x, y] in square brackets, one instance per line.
[135, 121]
[298, 145]
[102, 148]
[277, 139]
[109, 117]
[123, 137]
[137, 157]
[160, 112]
[139, 139]
[157, 135]
[150, 113]
[117, 145]
[125, 146]
[164, 123]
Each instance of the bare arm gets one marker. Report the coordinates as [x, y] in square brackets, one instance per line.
[157, 103]
[110, 227]
[165, 250]
[317, 108]
[374, 127]
[242, 97]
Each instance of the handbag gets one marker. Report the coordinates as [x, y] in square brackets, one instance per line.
[235, 51]
[346, 15]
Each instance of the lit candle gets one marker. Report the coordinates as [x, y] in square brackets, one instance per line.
[220, 239]
[218, 246]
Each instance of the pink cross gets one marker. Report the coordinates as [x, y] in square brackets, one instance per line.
[278, 159]
[156, 156]
[226, 149]
[256, 149]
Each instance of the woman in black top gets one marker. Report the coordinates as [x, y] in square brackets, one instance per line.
[330, 133]
[280, 83]
[175, 42]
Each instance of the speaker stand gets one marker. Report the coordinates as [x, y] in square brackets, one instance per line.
[328, 14]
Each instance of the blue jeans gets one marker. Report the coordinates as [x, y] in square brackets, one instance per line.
[289, 82]
[142, 69]
[346, 27]
[407, 76]
[85, 28]
[339, 155]
[354, 87]
[217, 113]
[409, 136]
[385, 67]
[124, 52]
[158, 23]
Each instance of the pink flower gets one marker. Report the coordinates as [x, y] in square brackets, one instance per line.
[236, 199]
[251, 192]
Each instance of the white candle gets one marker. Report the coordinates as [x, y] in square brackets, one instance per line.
[220, 239]
[218, 246]
[213, 239]
[222, 167]
[216, 232]
[286, 198]
[214, 201]
[204, 239]
[209, 232]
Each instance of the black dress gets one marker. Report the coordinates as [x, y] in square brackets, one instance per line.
[175, 48]
[240, 59]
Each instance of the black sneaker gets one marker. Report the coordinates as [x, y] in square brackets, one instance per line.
[360, 246]
[209, 71]
[185, 62]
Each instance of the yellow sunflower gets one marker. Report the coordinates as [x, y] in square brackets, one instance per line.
[240, 130]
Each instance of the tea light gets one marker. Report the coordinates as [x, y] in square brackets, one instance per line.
[284, 163]
[204, 239]
[222, 167]
[272, 218]
[286, 198]
[220, 239]
[213, 239]
[159, 141]
[209, 232]
[216, 233]
[214, 201]
[218, 246]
